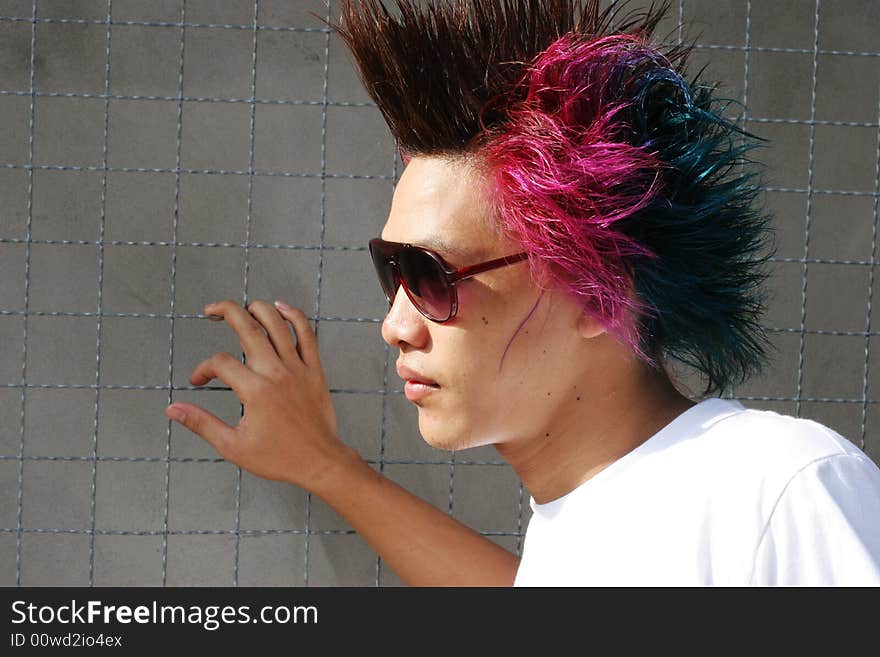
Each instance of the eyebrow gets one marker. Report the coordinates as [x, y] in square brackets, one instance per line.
[438, 243]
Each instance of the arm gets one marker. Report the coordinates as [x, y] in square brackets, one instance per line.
[288, 432]
[423, 545]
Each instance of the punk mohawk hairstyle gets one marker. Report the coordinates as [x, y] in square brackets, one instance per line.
[619, 177]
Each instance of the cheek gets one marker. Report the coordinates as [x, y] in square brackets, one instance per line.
[488, 312]
[500, 330]
[497, 364]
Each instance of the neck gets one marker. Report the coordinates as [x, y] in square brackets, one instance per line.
[587, 437]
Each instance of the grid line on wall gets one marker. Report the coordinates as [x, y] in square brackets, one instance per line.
[188, 99]
[868, 316]
[247, 252]
[182, 25]
[381, 461]
[281, 28]
[174, 225]
[316, 103]
[810, 151]
[180, 170]
[323, 212]
[202, 459]
[289, 174]
[91, 386]
[744, 115]
[27, 271]
[207, 532]
[102, 222]
[286, 247]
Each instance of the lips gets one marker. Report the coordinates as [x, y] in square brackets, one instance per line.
[412, 376]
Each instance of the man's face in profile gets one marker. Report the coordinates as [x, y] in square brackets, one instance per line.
[442, 205]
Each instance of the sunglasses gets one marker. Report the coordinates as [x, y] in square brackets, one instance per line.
[427, 279]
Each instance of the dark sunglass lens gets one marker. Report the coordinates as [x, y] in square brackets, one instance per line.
[385, 271]
[426, 282]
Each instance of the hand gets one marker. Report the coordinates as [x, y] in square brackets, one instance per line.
[288, 431]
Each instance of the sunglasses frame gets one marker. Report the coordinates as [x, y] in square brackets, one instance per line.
[389, 250]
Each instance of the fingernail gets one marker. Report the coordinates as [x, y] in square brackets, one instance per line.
[281, 305]
[176, 414]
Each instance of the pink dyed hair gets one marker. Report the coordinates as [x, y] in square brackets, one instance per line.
[564, 176]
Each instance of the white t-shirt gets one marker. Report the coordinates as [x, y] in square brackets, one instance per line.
[722, 495]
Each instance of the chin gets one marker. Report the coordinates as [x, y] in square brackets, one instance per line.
[440, 435]
[449, 437]
[447, 443]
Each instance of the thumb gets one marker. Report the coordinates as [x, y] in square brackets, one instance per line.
[201, 422]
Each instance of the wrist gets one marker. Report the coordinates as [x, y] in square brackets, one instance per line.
[338, 469]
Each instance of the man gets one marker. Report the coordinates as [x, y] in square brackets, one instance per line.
[573, 214]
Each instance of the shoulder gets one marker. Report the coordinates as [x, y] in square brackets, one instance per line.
[751, 460]
[772, 447]
[786, 434]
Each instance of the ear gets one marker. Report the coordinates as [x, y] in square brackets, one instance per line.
[588, 326]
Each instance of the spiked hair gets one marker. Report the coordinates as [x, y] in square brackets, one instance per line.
[620, 178]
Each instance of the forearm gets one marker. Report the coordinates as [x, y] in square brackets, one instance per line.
[423, 545]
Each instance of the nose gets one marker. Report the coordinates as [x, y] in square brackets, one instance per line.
[404, 324]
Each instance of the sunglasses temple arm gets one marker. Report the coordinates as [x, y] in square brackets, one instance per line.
[473, 270]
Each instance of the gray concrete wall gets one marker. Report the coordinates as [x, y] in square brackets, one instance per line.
[125, 151]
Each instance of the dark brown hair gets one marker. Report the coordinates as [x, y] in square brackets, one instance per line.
[433, 69]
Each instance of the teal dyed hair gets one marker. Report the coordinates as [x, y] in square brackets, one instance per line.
[708, 287]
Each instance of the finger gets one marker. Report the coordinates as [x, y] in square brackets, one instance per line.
[230, 370]
[202, 423]
[306, 341]
[279, 332]
[255, 343]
